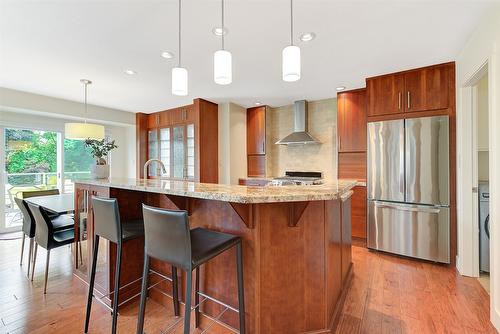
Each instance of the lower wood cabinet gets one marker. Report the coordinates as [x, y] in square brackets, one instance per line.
[256, 165]
[358, 212]
[346, 256]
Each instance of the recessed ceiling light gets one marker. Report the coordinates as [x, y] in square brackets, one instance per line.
[307, 36]
[340, 88]
[219, 31]
[167, 55]
[258, 103]
[130, 72]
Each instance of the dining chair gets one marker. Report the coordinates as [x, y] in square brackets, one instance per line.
[48, 237]
[28, 227]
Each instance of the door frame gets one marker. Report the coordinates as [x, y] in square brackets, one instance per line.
[468, 231]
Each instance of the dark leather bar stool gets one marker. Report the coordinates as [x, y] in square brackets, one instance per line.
[107, 224]
[168, 238]
[48, 237]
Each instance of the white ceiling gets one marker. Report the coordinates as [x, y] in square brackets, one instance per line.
[47, 46]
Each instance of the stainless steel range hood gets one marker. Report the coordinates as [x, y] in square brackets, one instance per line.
[299, 136]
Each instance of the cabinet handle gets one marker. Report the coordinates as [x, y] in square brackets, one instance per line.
[340, 143]
[263, 147]
[408, 100]
[399, 101]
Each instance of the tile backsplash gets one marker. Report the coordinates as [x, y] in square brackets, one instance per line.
[322, 126]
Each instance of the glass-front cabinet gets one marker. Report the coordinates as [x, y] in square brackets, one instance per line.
[175, 147]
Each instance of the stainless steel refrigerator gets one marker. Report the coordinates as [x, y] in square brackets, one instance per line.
[408, 187]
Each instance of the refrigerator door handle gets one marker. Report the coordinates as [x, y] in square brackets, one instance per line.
[406, 207]
[402, 162]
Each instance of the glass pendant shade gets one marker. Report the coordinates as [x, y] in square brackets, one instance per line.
[179, 81]
[82, 131]
[223, 67]
[291, 63]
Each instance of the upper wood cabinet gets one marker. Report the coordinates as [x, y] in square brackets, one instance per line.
[422, 89]
[385, 94]
[427, 88]
[256, 130]
[351, 120]
[184, 138]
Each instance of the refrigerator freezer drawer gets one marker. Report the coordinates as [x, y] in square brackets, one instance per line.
[412, 230]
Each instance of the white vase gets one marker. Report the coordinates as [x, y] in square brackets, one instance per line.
[99, 171]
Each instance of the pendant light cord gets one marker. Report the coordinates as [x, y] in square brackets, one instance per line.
[85, 117]
[223, 30]
[179, 33]
[291, 22]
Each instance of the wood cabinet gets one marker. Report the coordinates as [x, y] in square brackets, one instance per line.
[256, 141]
[358, 212]
[346, 248]
[185, 139]
[256, 130]
[423, 89]
[256, 165]
[351, 125]
[427, 88]
[385, 94]
[351, 120]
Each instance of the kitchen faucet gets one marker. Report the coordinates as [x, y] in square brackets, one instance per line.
[160, 167]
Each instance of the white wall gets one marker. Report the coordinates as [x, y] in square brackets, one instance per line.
[18, 101]
[232, 143]
[22, 109]
[481, 48]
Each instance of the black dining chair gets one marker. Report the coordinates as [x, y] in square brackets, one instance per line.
[107, 224]
[28, 227]
[48, 237]
[168, 238]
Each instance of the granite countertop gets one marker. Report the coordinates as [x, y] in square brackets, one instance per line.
[230, 193]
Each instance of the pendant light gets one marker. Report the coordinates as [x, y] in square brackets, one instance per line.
[290, 60]
[223, 61]
[179, 73]
[82, 131]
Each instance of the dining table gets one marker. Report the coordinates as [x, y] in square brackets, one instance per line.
[60, 204]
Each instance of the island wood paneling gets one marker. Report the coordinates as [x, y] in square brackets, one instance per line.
[291, 286]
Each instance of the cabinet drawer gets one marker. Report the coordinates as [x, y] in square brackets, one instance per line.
[256, 165]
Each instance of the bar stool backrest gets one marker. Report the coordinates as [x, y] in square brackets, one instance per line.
[107, 222]
[44, 229]
[167, 236]
[28, 220]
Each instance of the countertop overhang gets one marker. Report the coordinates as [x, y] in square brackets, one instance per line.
[230, 193]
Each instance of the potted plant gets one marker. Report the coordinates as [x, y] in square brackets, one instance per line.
[100, 150]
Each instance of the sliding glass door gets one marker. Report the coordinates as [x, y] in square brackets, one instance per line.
[30, 163]
[32, 159]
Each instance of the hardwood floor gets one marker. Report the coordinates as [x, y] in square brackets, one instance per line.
[25, 309]
[388, 295]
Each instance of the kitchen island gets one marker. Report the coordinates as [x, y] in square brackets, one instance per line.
[296, 248]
